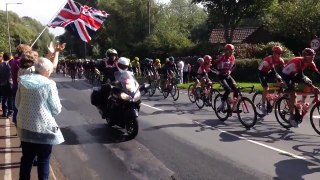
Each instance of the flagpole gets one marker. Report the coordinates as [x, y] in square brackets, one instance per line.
[49, 22]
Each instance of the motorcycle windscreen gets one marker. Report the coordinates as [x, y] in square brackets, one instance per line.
[127, 81]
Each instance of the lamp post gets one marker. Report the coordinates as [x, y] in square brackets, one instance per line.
[9, 39]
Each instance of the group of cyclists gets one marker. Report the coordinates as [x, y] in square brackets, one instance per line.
[287, 75]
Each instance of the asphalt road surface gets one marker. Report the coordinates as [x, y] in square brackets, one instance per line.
[178, 141]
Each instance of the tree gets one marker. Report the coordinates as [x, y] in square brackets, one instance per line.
[296, 19]
[229, 13]
[22, 30]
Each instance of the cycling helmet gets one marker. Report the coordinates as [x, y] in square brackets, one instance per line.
[137, 59]
[229, 47]
[171, 59]
[111, 52]
[157, 61]
[308, 52]
[277, 49]
[200, 60]
[123, 64]
[207, 59]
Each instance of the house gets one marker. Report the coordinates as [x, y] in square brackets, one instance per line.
[252, 35]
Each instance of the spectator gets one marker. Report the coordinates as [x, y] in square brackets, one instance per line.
[180, 67]
[6, 86]
[186, 71]
[27, 63]
[38, 102]
[15, 65]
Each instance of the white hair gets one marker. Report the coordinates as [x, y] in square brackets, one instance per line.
[43, 65]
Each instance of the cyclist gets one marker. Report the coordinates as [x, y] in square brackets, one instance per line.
[73, 68]
[225, 65]
[170, 68]
[157, 67]
[136, 66]
[293, 73]
[149, 70]
[267, 70]
[204, 70]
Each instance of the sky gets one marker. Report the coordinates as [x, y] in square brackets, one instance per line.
[41, 10]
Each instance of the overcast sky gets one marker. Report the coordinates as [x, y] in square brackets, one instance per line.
[41, 10]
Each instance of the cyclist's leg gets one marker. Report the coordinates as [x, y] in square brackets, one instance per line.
[290, 83]
[226, 87]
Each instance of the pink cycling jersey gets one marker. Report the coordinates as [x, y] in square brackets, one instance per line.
[204, 68]
[296, 65]
[225, 64]
[269, 63]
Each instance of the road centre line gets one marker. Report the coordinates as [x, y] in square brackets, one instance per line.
[249, 140]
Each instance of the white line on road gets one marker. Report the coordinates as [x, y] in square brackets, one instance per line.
[251, 141]
[152, 107]
[7, 156]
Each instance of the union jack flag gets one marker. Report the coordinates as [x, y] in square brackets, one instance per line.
[81, 21]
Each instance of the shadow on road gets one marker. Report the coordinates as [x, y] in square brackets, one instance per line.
[294, 169]
[92, 133]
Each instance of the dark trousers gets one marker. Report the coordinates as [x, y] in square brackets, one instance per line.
[7, 99]
[185, 77]
[29, 152]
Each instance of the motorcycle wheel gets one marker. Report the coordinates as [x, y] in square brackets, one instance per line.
[132, 128]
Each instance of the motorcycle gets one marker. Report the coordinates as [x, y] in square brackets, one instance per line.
[123, 104]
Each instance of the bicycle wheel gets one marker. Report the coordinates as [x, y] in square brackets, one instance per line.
[152, 89]
[282, 112]
[191, 93]
[174, 92]
[257, 101]
[165, 92]
[315, 117]
[222, 115]
[199, 97]
[213, 95]
[247, 113]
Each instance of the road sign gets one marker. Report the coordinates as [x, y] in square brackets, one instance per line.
[315, 44]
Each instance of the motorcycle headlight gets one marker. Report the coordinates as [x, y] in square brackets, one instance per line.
[137, 96]
[124, 96]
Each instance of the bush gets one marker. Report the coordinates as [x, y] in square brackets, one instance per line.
[248, 51]
[246, 70]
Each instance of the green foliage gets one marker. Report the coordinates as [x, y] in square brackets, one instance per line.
[295, 19]
[22, 30]
[229, 14]
[126, 29]
[260, 50]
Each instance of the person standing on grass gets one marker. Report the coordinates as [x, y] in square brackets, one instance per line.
[38, 102]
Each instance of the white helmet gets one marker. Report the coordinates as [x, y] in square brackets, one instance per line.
[124, 61]
[123, 64]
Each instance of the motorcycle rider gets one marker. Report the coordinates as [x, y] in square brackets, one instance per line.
[109, 65]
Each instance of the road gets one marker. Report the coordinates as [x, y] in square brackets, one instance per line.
[178, 141]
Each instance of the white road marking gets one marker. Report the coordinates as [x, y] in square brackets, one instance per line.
[7, 156]
[151, 107]
[251, 141]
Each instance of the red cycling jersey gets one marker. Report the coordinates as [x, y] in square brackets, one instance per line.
[269, 63]
[225, 64]
[296, 65]
[204, 68]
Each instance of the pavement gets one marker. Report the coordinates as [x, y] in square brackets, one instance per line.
[11, 152]
[176, 140]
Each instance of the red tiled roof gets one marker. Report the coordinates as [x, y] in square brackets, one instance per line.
[240, 34]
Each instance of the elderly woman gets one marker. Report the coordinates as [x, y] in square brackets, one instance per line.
[38, 102]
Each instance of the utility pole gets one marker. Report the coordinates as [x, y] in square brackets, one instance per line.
[149, 17]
